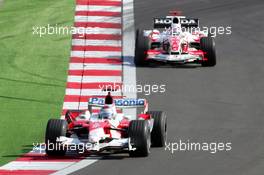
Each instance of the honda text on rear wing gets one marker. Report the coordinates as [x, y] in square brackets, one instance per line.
[168, 21]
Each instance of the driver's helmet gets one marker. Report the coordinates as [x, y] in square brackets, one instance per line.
[176, 29]
[155, 35]
[107, 112]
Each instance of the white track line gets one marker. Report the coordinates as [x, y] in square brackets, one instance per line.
[102, 54]
[77, 54]
[95, 79]
[79, 42]
[93, 54]
[83, 42]
[89, 92]
[81, 19]
[97, 19]
[76, 166]
[98, 8]
[35, 165]
[94, 66]
[129, 69]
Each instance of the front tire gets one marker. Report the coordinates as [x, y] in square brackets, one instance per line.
[159, 132]
[140, 138]
[55, 128]
[142, 46]
[207, 45]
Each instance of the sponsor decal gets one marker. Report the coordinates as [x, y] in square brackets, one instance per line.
[118, 102]
[162, 20]
[186, 21]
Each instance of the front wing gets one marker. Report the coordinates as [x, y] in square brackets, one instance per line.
[84, 145]
[176, 58]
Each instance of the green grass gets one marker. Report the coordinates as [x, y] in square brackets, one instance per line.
[33, 71]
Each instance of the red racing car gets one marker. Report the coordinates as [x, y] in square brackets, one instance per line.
[106, 130]
[175, 39]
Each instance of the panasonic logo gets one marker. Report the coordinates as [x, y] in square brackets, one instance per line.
[118, 102]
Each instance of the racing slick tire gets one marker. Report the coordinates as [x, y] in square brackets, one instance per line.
[55, 128]
[139, 134]
[159, 131]
[208, 45]
[142, 46]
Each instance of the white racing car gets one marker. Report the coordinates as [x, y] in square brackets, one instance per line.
[175, 39]
[107, 130]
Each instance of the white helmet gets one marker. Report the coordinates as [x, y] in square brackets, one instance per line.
[176, 29]
[107, 112]
[155, 35]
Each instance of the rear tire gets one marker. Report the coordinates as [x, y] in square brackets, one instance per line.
[140, 138]
[208, 45]
[55, 128]
[142, 46]
[159, 132]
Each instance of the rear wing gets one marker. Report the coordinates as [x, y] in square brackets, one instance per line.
[189, 22]
[160, 23]
[119, 103]
[168, 21]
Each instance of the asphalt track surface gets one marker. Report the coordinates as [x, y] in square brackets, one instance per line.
[220, 104]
